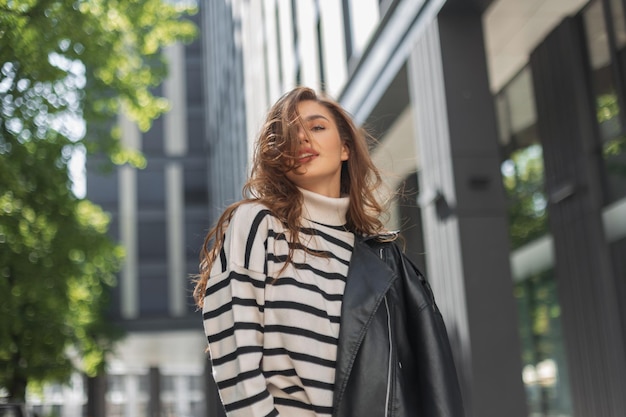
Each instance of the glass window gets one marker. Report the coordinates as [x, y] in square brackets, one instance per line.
[516, 112]
[307, 43]
[183, 395]
[608, 97]
[195, 89]
[151, 188]
[102, 187]
[195, 130]
[543, 354]
[279, 55]
[522, 166]
[543, 357]
[332, 46]
[152, 239]
[196, 228]
[523, 177]
[196, 186]
[364, 19]
[153, 284]
[287, 30]
[152, 140]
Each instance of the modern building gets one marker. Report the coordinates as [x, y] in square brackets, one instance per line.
[160, 216]
[502, 123]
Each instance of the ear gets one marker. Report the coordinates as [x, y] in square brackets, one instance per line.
[345, 152]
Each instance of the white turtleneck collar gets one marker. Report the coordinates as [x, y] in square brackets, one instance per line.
[325, 210]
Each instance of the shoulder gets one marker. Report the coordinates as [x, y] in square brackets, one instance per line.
[248, 211]
[245, 237]
[252, 206]
[251, 218]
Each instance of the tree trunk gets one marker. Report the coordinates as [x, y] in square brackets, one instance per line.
[17, 388]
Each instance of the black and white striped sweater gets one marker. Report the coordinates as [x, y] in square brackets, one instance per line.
[273, 339]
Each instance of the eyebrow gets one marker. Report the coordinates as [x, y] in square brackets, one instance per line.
[314, 117]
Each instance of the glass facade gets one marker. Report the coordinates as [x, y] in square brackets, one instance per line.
[545, 372]
[543, 353]
[605, 31]
[606, 43]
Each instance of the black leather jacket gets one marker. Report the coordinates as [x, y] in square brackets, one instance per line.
[394, 358]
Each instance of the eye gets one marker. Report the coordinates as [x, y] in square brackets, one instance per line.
[317, 128]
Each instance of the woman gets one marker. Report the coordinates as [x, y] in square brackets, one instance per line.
[308, 307]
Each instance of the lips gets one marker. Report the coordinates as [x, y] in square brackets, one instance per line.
[306, 155]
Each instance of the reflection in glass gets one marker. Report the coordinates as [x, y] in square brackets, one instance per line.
[544, 367]
[523, 177]
[606, 94]
[543, 354]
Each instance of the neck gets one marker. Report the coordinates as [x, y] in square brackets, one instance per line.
[323, 209]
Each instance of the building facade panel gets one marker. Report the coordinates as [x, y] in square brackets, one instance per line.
[587, 284]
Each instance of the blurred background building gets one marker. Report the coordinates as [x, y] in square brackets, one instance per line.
[501, 126]
[159, 214]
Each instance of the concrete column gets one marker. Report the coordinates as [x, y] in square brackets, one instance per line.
[464, 212]
[175, 215]
[129, 283]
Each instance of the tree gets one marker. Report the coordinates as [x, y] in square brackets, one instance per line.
[67, 68]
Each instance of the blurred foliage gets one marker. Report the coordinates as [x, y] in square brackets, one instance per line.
[67, 69]
[523, 183]
[614, 150]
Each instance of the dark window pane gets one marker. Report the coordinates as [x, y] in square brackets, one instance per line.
[151, 188]
[152, 244]
[153, 298]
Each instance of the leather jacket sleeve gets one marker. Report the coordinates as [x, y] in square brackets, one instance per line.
[437, 377]
[394, 357]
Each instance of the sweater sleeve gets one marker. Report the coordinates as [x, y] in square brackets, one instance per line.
[233, 315]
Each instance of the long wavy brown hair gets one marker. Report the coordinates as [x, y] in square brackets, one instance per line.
[275, 154]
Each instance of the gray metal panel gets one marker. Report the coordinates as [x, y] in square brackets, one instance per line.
[586, 281]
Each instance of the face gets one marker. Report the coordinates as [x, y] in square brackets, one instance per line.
[321, 151]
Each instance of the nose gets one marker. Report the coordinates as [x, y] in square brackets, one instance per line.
[301, 135]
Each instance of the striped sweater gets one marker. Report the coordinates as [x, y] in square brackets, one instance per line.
[273, 339]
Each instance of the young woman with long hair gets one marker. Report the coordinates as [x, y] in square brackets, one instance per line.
[309, 307]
